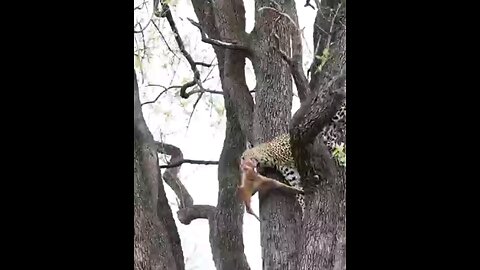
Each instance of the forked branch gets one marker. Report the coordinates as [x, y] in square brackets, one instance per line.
[187, 210]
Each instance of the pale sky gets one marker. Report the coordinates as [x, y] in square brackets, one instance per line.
[168, 118]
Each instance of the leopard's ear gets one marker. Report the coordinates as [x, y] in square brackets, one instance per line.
[249, 145]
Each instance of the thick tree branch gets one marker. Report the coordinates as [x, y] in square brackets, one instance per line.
[323, 241]
[153, 215]
[273, 103]
[237, 45]
[171, 174]
[196, 74]
[318, 111]
[183, 89]
[224, 20]
[140, 126]
[329, 92]
[296, 69]
[294, 62]
[188, 214]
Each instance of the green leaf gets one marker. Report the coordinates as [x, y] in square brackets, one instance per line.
[138, 62]
[323, 59]
[339, 154]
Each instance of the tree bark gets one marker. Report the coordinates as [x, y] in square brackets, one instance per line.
[318, 243]
[324, 241]
[225, 21]
[279, 212]
[156, 241]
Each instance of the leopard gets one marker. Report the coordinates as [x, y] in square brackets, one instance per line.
[277, 154]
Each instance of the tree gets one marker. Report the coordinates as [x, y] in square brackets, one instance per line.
[274, 47]
[156, 241]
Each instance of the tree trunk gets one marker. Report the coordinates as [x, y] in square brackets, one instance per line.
[280, 214]
[225, 20]
[286, 244]
[324, 235]
[156, 240]
[226, 235]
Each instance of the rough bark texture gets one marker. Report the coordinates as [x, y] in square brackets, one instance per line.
[227, 228]
[280, 215]
[171, 174]
[287, 243]
[324, 241]
[225, 20]
[156, 240]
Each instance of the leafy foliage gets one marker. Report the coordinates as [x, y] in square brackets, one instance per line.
[323, 59]
[340, 155]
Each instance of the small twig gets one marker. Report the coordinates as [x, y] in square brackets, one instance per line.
[194, 107]
[155, 100]
[209, 72]
[144, 46]
[331, 26]
[142, 29]
[140, 6]
[189, 161]
[158, 85]
[318, 51]
[203, 64]
[196, 91]
[164, 40]
[161, 93]
[307, 4]
[175, 70]
[234, 45]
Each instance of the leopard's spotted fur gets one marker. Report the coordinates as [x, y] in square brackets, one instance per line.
[277, 153]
